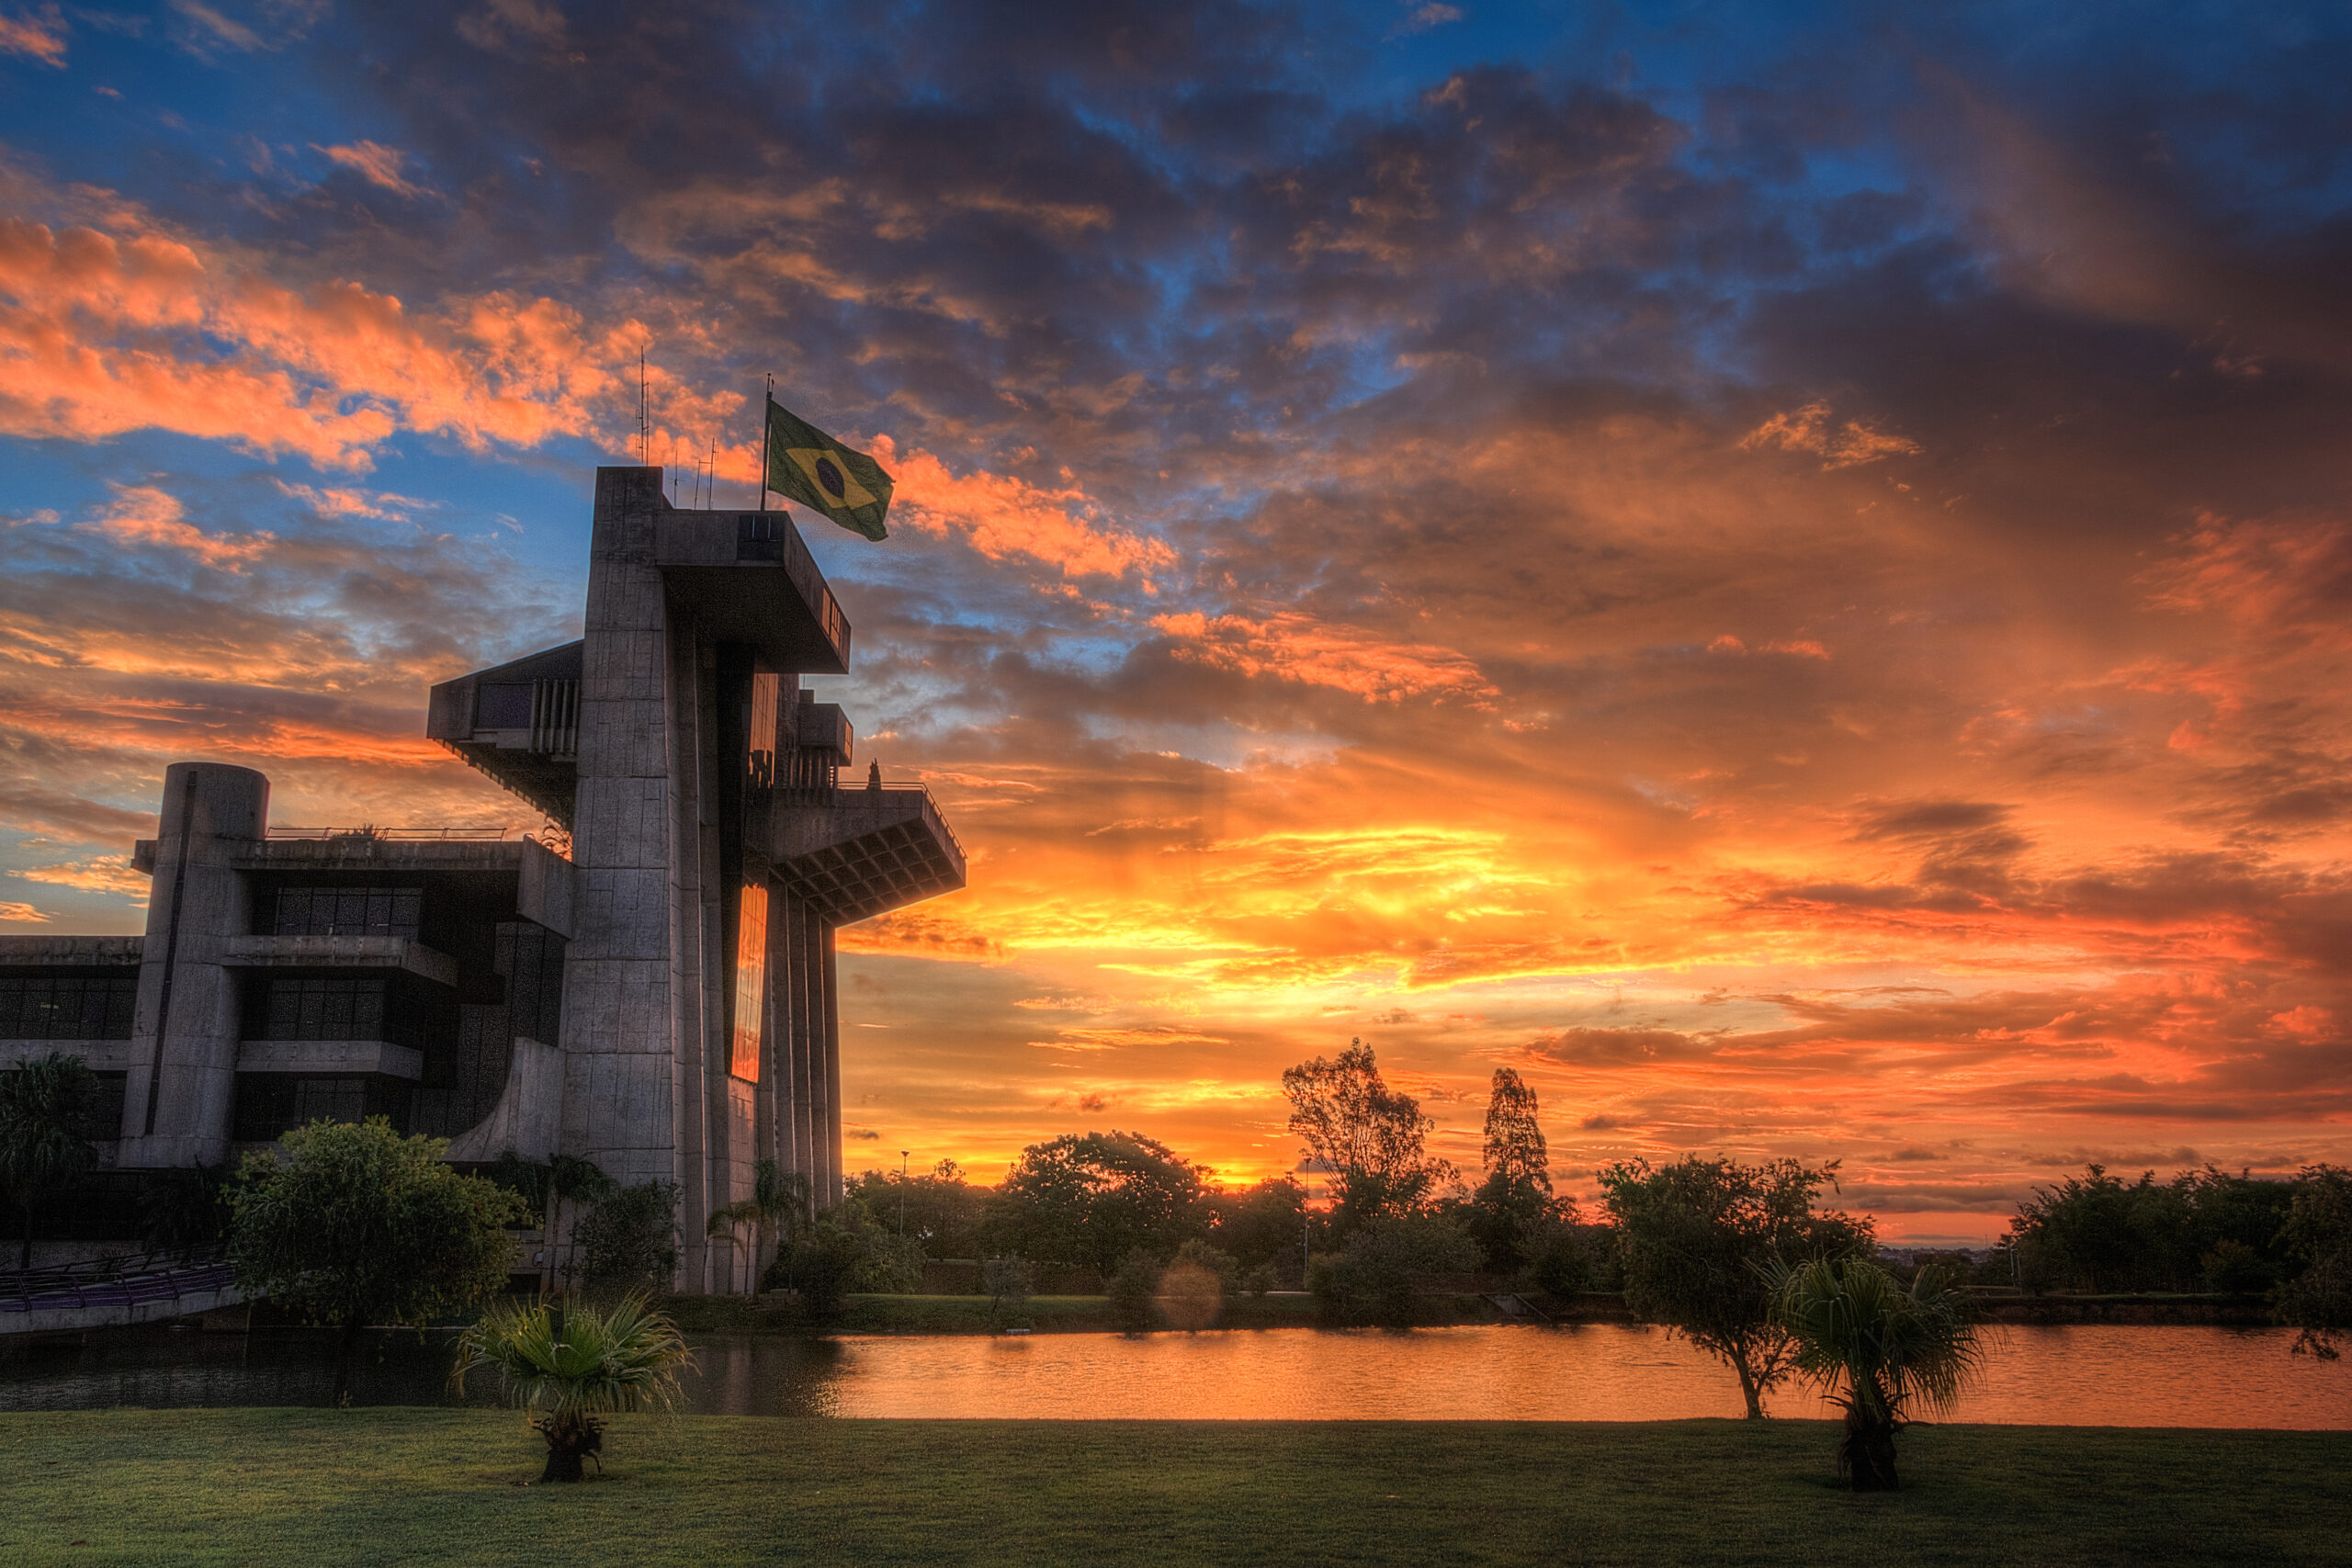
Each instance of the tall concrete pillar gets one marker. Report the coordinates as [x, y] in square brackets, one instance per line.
[621, 1071]
[181, 1092]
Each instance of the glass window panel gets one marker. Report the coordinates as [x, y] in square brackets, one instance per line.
[750, 981]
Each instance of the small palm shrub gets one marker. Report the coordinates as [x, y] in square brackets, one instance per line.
[565, 1369]
[1878, 1351]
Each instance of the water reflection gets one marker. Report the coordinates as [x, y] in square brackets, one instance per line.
[2125, 1376]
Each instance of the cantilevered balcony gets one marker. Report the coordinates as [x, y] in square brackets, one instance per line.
[856, 852]
[519, 723]
[747, 578]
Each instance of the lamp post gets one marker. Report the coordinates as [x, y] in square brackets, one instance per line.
[902, 1192]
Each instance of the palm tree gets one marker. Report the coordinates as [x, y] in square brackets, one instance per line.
[1879, 1351]
[46, 1107]
[567, 1368]
[779, 1199]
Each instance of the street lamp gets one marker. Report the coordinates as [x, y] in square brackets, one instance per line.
[902, 1193]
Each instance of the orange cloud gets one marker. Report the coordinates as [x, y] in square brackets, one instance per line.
[1001, 515]
[116, 321]
[379, 165]
[39, 35]
[1288, 646]
[1815, 429]
[143, 514]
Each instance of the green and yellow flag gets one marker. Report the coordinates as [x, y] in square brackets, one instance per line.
[811, 467]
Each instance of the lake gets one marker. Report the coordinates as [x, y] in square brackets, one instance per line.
[2095, 1376]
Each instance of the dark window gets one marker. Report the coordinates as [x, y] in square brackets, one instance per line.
[759, 535]
[105, 1124]
[67, 1007]
[531, 957]
[400, 1009]
[502, 707]
[272, 1104]
[349, 911]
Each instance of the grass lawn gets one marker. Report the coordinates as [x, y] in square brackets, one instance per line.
[393, 1486]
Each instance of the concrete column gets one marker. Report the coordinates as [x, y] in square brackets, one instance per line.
[803, 1088]
[833, 1046]
[695, 938]
[620, 1088]
[181, 1093]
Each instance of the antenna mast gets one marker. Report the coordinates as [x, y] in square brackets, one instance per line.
[764, 443]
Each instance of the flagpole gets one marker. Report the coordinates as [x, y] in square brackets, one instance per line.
[763, 442]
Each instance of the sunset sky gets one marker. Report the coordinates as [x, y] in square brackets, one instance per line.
[1785, 572]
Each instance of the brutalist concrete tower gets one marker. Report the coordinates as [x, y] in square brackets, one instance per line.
[712, 851]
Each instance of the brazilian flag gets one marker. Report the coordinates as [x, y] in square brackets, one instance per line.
[811, 467]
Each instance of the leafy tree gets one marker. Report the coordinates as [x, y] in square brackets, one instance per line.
[1876, 1349]
[46, 1108]
[1515, 1146]
[1513, 1217]
[355, 1225]
[1090, 1200]
[845, 1250]
[1262, 1226]
[186, 1208]
[1379, 1274]
[565, 1369]
[2318, 1235]
[1575, 1257]
[1132, 1289]
[1697, 1239]
[938, 1207]
[1009, 1282]
[1376, 1138]
[627, 1244]
[2204, 1229]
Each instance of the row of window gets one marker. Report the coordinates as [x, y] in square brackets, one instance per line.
[397, 1008]
[270, 1105]
[67, 1007]
[348, 912]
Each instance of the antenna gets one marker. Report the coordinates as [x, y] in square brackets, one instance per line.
[644, 431]
[763, 445]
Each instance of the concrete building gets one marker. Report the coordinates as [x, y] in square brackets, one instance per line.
[649, 986]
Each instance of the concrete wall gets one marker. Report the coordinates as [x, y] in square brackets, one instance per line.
[183, 1061]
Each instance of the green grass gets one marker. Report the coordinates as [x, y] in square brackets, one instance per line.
[446, 1486]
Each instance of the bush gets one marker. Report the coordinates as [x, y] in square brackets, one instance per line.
[841, 1252]
[1132, 1289]
[1009, 1282]
[1577, 1258]
[1380, 1274]
[629, 1241]
[356, 1225]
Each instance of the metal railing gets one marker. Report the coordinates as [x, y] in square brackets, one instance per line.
[484, 835]
[849, 795]
[125, 1282]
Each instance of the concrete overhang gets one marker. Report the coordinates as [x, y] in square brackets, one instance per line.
[330, 1058]
[98, 1055]
[858, 852]
[73, 952]
[397, 848]
[747, 578]
[518, 723]
[339, 952]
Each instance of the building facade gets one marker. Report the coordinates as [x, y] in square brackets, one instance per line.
[648, 985]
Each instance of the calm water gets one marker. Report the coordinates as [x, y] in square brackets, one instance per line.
[2100, 1376]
